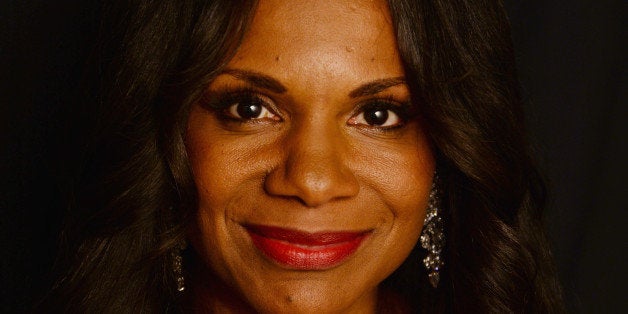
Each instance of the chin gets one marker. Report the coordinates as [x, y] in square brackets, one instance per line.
[312, 299]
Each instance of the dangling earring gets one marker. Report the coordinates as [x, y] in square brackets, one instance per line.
[432, 235]
[177, 266]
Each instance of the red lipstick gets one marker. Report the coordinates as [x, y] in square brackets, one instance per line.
[303, 250]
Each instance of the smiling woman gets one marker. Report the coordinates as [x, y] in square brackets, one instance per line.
[280, 157]
[307, 162]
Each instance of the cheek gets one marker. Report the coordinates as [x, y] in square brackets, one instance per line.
[223, 168]
[216, 182]
[228, 174]
[400, 176]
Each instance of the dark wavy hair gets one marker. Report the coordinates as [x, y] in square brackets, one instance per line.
[133, 193]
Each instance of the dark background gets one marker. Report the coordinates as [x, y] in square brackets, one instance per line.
[571, 57]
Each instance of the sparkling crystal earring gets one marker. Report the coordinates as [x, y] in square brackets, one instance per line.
[177, 266]
[432, 236]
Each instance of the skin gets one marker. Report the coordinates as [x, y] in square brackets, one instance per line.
[311, 162]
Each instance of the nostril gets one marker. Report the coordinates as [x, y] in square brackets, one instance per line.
[312, 183]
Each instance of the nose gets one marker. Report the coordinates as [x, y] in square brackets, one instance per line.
[314, 168]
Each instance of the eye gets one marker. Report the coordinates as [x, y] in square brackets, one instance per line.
[246, 107]
[378, 114]
[249, 111]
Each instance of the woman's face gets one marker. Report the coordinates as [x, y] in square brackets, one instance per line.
[312, 170]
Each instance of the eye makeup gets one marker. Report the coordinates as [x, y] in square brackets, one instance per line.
[246, 104]
[250, 105]
[375, 114]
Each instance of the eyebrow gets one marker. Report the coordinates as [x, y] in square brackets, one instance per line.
[258, 80]
[374, 87]
[266, 82]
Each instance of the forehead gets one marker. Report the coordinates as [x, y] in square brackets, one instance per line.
[324, 38]
[316, 17]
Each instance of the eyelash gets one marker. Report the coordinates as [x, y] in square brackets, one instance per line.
[221, 101]
[401, 110]
[226, 99]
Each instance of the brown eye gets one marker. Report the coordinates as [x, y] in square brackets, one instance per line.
[250, 107]
[247, 110]
[378, 115]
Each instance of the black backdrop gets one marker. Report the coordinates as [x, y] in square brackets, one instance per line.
[571, 57]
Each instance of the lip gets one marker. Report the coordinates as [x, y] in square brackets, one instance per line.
[303, 250]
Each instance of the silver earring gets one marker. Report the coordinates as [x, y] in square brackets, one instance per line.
[432, 236]
[178, 266]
